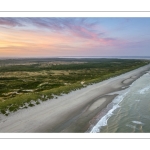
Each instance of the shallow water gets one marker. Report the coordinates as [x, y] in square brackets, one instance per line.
[130, 111]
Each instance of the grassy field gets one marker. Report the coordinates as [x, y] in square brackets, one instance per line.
[26, 82]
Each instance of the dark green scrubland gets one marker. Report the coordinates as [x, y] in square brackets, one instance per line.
[27, 82]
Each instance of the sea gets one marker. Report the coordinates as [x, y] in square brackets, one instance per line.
[129, 112]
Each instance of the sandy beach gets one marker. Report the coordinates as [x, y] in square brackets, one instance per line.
[72, 112]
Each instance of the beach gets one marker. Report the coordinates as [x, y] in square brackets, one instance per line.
[69, 113]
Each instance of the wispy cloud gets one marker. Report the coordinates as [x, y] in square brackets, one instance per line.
[54, 36]
[77, 26]
[10, 22]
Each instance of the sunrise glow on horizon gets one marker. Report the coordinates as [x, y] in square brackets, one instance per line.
[50, 37]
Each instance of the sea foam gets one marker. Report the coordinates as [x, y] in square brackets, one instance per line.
[137, 100]
[104, 119]
[137, 122]
[131, 126]
[142, 91]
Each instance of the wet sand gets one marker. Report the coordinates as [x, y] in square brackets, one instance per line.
[69, 113]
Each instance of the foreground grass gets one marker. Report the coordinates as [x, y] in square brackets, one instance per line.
[26, 86]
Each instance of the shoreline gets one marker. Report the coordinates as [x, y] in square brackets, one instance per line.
[71, 112]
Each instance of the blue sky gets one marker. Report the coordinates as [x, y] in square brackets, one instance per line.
[48, 37]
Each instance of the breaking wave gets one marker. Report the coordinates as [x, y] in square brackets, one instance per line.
[142, 91]
[103, 121]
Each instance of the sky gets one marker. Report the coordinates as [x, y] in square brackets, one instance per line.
[52, 37]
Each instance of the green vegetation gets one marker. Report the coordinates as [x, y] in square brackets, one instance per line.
[27, 82]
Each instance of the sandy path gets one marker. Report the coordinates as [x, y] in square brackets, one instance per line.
[71, 112]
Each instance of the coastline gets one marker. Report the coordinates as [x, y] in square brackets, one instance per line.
[72, 112]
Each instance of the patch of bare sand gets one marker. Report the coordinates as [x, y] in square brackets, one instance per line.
[127, 81]
[97, 104]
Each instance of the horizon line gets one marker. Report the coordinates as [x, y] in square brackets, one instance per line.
[71, 57]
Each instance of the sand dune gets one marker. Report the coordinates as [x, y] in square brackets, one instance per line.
[69, 113]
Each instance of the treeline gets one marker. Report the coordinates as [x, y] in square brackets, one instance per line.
[102, 63]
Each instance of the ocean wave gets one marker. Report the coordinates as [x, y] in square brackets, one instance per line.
[137, 100]
[104, 119]
[131, 126]
[142, 91]
[137, 122]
